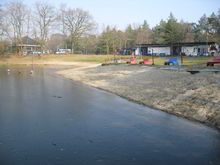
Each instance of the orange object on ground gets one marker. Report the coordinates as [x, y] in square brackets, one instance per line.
[133, 61]
[215, 60]
[146, 61]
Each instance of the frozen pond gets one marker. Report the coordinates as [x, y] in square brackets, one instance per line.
[47, 119]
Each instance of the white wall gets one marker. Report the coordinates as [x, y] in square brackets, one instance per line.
[138, 51]
[189, 51]
[193, 50]
[159, 50]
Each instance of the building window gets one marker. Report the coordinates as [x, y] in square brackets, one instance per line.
[198, 50]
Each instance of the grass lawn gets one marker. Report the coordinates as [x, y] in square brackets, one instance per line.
[45, 59]
[186, 60]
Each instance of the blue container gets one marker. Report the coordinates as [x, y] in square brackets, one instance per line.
[174, 61]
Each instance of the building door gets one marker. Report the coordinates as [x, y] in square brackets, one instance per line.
[177, 50]
[144, 51]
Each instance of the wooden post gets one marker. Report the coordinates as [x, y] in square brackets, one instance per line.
[152, 57]
[181, 57]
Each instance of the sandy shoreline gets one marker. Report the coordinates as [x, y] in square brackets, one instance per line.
[195, 97]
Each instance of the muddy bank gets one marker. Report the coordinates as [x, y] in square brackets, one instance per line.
[196, 97]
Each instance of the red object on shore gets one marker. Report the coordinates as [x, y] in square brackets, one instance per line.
[146, 61]
[215, 60]
[133, 61]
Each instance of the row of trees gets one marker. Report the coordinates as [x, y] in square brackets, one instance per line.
[166, 32]
[75, 29]
[42, 20]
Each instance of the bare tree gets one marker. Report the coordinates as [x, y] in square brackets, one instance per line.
[61, 19]
[5, 28]
[44, 17]
[56, 41]
[1, 21]
[16, 15]
[143, 34]
[76, 22]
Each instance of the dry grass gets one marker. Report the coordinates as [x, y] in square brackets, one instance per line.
[53, 59]
[68, 59]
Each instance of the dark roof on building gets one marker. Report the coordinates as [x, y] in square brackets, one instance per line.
[176, 44]
[28, 41]
[128, 49]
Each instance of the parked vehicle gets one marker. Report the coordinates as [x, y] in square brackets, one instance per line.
[60, 52]
[63, 51]
[36, 53]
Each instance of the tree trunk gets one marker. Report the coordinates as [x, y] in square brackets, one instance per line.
[72, 47]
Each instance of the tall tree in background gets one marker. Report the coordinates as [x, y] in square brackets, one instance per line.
[3, 44]
[88, 44]
[130, 37]
[173, 31]
[76, 25]
[43, 18]
[3, 28]
[77, 22]
[57, 41]
[1, 22]
[17, 19]
[158, 33]
[214, 26]
[105, 41]
[144, 34]
[110, 41]
[208, 28]
[200, 30]
[187, 31]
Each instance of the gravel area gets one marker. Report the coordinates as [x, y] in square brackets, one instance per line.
[193, 96]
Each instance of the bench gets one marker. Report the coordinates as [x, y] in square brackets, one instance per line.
[215, 60]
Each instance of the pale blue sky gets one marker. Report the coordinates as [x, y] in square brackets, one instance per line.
[120, 13]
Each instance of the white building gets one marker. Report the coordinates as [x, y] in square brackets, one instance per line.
[196, 50]
[188, 49]
[63, 51]
[155, 49]
[165, 50]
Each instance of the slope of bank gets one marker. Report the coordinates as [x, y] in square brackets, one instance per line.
[196, 97]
